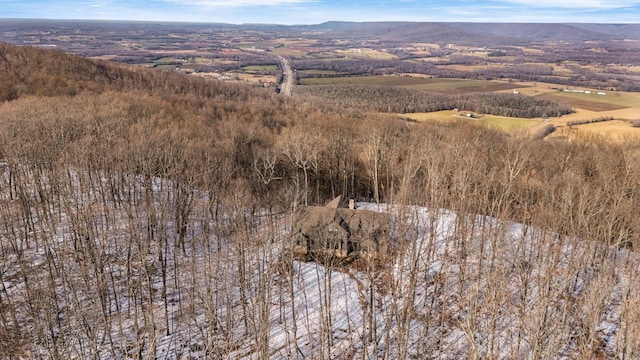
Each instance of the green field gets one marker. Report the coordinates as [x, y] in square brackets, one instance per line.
[164, 67]
[298, 54]
[509, 124]
[165, 60]
[615, 129]
[319, 72]
[499, 122]
[326, 56]
[446, 86]
[258, 68]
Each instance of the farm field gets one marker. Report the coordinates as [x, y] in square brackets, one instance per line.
[318, 72]
[535, 88]
[258, 68]
[363, 80]
[164, 67]
[445, 86]
[593, 102]
[616, 130]
[506, 64]
[254, 79]
[621, 107]
[458, 86]
[460, 67]
[294, 53]
[430, 59]
[498, 122]
[364, 53]
[624, 106]
[614, 103]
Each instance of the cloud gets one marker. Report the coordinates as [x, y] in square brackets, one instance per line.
[238, 3]
[577, 4]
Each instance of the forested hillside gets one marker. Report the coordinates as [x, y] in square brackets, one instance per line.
[121, 188]
[213, 131]
[32, 71]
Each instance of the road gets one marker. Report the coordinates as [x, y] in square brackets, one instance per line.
[287, 77]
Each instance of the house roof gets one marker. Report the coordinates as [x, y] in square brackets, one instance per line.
[356, 223]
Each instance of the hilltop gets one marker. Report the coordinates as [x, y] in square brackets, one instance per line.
[146, 214]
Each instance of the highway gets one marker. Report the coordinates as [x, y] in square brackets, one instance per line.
[287, 77]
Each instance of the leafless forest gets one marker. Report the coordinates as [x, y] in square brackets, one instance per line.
[145, 214]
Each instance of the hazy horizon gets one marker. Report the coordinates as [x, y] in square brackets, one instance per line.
[290, 12]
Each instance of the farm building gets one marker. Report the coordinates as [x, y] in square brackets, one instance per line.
[328, 231]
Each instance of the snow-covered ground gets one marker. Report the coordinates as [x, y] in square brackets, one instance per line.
[110, 269]
[459, 286]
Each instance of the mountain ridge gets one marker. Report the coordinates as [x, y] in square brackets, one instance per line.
[466, 33]
[488, 33]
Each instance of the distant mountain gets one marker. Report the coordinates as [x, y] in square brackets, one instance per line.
[479, 34]
[462, 33]
[534, 31]
[413, 32]
[626, 31]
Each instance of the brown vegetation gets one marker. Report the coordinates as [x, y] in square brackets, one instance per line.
[394, 100]
[153, 201]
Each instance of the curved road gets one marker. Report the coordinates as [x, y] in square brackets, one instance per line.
[287, 77]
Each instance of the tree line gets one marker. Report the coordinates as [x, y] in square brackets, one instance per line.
[346, 67]
[399, 100]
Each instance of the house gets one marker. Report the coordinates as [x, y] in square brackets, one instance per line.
[332, 232]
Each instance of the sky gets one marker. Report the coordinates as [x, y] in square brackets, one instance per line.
[317, 11]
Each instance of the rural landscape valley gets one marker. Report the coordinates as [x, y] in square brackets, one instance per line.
[345, 190]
